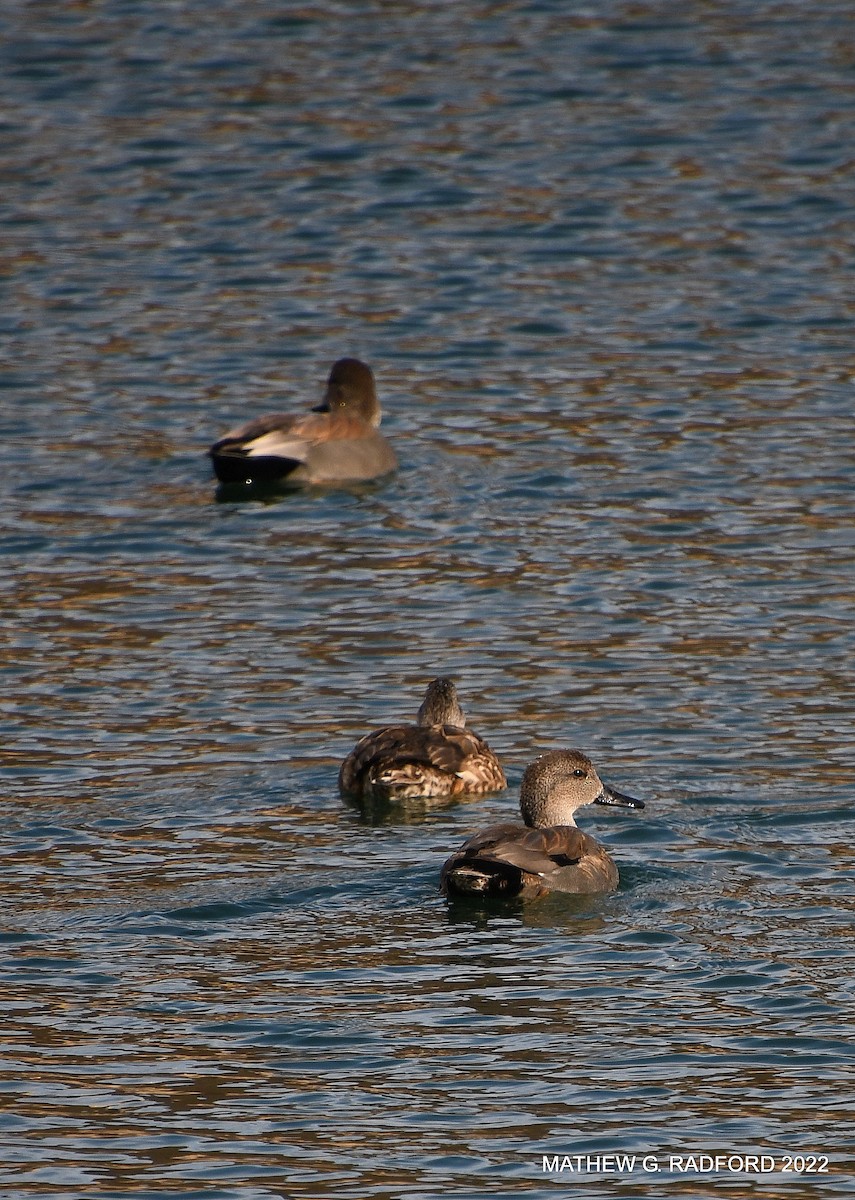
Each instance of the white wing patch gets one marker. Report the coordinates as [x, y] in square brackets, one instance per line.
[279, 443]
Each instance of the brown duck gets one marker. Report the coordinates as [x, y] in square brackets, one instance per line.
[337, 442]
[547, 853]
[437, 757]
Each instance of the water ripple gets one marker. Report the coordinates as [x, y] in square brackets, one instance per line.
[600, 260]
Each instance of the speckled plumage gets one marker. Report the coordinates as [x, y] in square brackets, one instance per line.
[436, 758]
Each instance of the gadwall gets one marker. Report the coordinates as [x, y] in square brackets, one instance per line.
[337, 442]
[436, 757]
[548, 853]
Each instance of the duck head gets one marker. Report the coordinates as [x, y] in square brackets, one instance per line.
[441, 705]
[351, 387]
[560, 782]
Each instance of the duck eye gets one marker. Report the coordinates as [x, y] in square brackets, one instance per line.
[580, 774]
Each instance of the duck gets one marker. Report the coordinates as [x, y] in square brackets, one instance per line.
[548, 853]
[435, 758]
[338, 441]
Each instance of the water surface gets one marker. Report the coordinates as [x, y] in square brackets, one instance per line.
[600, 258]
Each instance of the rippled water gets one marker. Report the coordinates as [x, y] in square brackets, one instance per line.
[600, 257]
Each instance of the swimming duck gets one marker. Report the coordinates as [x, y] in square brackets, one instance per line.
[547, 853]
[337, 442]
[436, 757]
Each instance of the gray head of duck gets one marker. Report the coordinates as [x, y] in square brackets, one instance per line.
[441, 706]
[558, 783]
[350, 387]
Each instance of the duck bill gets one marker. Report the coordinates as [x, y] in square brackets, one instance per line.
[618, 799]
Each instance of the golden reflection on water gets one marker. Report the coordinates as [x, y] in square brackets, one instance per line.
[600, 263]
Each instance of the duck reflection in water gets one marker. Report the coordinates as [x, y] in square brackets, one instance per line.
[547, 853]
[437, 757]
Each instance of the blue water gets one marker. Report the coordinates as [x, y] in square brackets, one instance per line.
[600, 259]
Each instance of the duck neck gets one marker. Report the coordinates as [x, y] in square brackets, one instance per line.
[540, 810]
